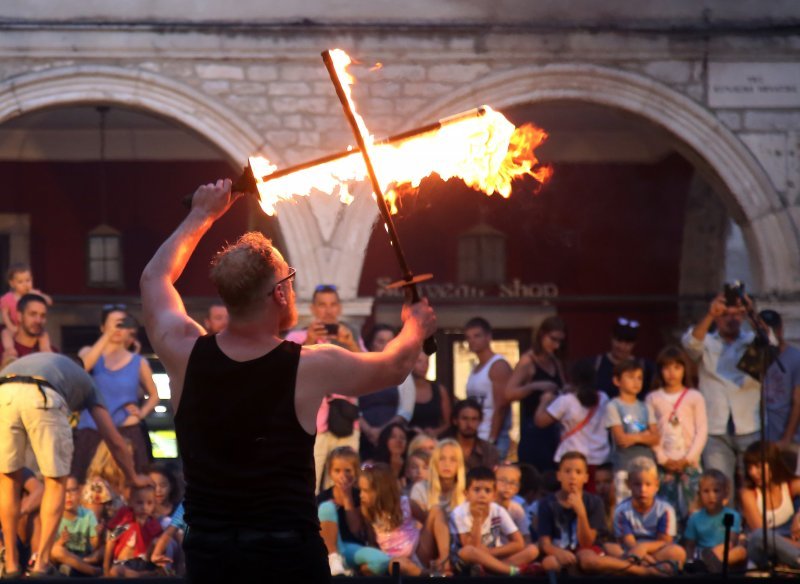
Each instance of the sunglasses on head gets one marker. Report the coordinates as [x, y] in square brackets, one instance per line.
[326, 288]
[111, 307]
[634, 324]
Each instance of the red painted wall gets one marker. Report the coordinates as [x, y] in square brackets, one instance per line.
[64, 202]
[593, 230]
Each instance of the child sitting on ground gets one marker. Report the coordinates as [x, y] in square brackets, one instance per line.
[705, 530]
[417, 465]
[77, 537]
[132, 534]
[604, 488]
[572, 525]
[167, 552]
[508, 478]
[645, 524]
[631, 422]
[480, 523]
[20, 283]
[388, 516]
[342, 526]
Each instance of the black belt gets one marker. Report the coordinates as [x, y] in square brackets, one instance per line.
[39, 382]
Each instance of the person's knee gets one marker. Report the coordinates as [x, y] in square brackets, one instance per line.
[587, 560]
[551, 564]
[531, 552]
[467, 553]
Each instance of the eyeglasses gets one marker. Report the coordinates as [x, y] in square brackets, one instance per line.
[628, 323]
[291, 275]
[508, 482]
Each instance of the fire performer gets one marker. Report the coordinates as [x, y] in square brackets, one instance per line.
[246, 402]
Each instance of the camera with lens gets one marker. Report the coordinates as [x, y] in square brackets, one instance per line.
[734, 293]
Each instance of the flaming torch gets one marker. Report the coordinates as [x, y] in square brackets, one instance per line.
[334, 61]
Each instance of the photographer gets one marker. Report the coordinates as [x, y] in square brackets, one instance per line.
[732, 397]
[337, 418]
[120, 375]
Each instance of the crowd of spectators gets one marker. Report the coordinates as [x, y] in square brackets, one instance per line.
[622, 464]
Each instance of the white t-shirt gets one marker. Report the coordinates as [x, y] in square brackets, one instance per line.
[592, 439]
[497, 525]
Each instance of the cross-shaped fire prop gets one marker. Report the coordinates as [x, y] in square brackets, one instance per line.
[480, 147]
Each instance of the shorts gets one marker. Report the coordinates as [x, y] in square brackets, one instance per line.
[25, 421]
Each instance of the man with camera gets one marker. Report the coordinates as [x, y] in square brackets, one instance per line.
[732, 397]
[336, 420]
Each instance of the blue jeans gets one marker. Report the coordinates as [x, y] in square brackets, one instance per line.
[354, 554]
[785, 550]
[724, 453]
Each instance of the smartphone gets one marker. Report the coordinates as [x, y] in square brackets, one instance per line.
[332, 329]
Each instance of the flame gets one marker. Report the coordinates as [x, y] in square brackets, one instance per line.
[486, 152]
[376, 67]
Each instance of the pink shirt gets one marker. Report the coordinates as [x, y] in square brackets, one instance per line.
[299, 337]
[688, 437]
[9, 301]
[400, 542]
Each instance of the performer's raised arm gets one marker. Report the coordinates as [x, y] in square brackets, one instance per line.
[171, 331]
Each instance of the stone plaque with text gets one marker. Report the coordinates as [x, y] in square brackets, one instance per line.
[761, 85]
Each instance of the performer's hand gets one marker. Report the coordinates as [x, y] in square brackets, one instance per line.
[214, 199]
[423, 314]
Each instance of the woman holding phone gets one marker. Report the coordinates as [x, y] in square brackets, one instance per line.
[121, 376]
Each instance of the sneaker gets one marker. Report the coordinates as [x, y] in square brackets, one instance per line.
[336, 564]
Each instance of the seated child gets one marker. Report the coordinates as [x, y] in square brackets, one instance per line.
[342, 526]
[480, 523]
[77, 537]
[390, 524]
[645, 524]
[416, 469]
[705, 531]
[604, 488]
[508, 478]
[132, 534]
[572, 525]
[632, 424]
[167, 551]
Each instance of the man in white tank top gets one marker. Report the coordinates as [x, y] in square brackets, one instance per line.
[487, 384]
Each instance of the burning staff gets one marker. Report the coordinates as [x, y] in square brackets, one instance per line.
[249, 180]
[359, 131]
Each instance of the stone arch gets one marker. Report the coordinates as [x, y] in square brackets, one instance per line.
[151, 92]
[727, 162]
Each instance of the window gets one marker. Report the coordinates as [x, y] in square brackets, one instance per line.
[105, 258]
[482, 256]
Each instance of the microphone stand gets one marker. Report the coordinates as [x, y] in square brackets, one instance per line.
[727, 521]
[766, 356]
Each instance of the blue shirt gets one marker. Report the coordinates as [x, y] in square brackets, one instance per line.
[782, 377]
[118, 388]
[658, 520]
[708, 531]
[560, 524]
[177, 518]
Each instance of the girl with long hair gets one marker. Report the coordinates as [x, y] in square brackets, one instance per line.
[683, 429]
[783, 520]
[434, 500]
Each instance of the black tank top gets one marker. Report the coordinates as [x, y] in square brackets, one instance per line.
[246, 458]
[530, 403]
[429, 414]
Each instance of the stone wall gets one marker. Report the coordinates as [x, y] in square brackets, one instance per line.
[261, 86]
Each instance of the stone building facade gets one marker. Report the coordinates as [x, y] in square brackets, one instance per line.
[723, 79]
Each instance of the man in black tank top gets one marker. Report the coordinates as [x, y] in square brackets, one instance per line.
[245, 402]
